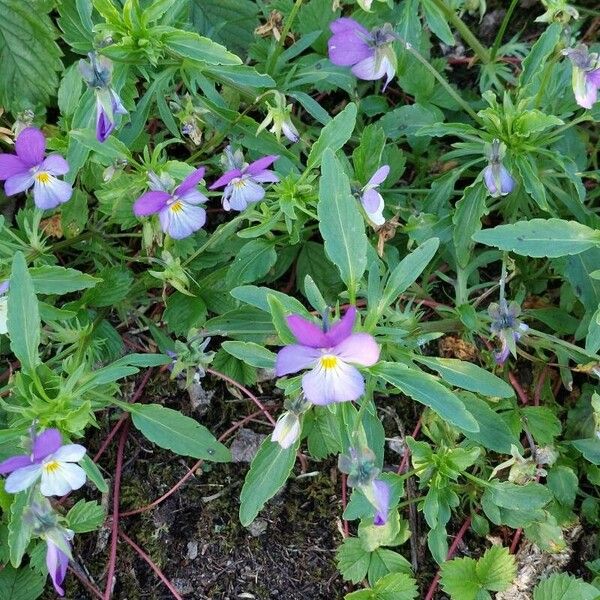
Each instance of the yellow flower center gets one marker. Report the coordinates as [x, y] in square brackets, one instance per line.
[238, 183]
[177, 206]
[42, 177]
[329, 362]
[51, 467]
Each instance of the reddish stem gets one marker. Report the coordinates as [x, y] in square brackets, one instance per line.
[515, 542]
[537, 393]
[244, 390]
[112, 561]
[518, 388]
[457, 540]
[344, 504]
[152, 565]
[406, 457]
[87, 584]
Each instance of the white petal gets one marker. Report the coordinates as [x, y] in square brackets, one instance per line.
[338, 384]
[21, 479]
[51, 194]
[69, 453]
[65, 478]
[3, 315]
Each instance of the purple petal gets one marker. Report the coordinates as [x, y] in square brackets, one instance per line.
[190, 181]
[13, 463]
[342, 329]
[46, 443]
[358, 348]
[193, 197]
[4, 286]
[307, 333]
[116, 104]
[501, 356]
[289, 130]
[370, 68]
[183, 221]
[242, 192]
[226, 178]
[57, 562]
[379, 176]
[104, 125]
[345, 24]
[55, 164]
[30, 146]
[593, 77]
[52, 193]
[18, 183]
[294, 358]
[349, 47]
[381, 496]
[258, 166]
[586, 98]
[371, 200]
[11, 165]
[266, 176]
[342, 383]
[150, 203]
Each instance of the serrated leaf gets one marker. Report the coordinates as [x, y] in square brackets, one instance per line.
[541, 237]
[52, 279]
[340, 223]
[353, 560]
[183, 435]
[23, 315]
[395, 586]
[268, 472]
[85, 516]
[562, 586]
[563, 483]
[21, 584]
[29, 55]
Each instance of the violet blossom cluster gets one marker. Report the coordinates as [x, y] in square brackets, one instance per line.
[51, 469]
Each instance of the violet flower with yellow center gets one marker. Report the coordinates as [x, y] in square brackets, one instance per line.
[331, 355]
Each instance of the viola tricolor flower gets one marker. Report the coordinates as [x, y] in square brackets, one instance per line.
[369, 53]
[330, 354]
[280, 116]
[586, 74]
[242, 181]
[496, 177]
[49, 461]
[3, 307]
[28, 168]
[507, 327]
[57, 560]
[371, 198]
[98, 75]
[378, 494]
[178, 212]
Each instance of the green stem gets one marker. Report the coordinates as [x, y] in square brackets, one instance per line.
[440, 79]
[463, 29]
[286, 29]
[502, 29]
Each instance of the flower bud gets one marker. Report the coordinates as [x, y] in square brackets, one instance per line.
[496, 177]
[287, 429]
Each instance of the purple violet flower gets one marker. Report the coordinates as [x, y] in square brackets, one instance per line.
[178, 212]
[57, 560]
[496, 177]
[371, 198]
[287, 429]
[369, 53]
[49, 461]
[330, 354]
[379, 496]
[28, 167]
[98, 75]
[507, 327]
[586, 74]
[242, 182]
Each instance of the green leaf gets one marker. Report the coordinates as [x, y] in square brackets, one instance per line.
[469, 579]
[268, 472]
[111, 150]
[190, 45]
[468, 376]
[21, 584]
[183, 312]
[340, 223]
[519, 497]
[19, 528]
[395, 586]
[542, 423]
[59, 280]
[467, 220]
[531, 181]
[85, 516]
[333, 136]
[563, 483]
[114, 287]
[533, 64]
[93, 474]
[258, 297]
[437, 22]
[590, 448]
[251, 353]
[384, 561]
[227, 22]
[562, 586]
[253, 261]
[425, 389]
[23, 315]
[324, 435]
[408, 271]
[353, 560]
[69, 92]
[29, 54]
[170, 429]
[541, 237]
